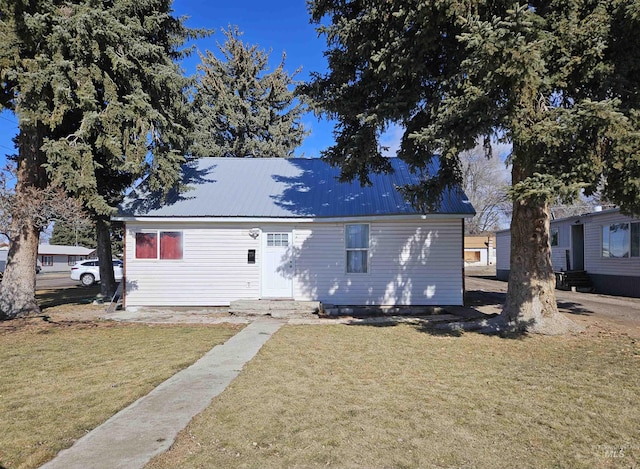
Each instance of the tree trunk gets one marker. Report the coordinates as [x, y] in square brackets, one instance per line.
[18, 287]
[103, 238]
[531, 300]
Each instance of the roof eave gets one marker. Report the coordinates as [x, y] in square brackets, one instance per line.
[254, 219]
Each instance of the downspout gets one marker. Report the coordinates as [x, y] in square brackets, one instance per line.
[124, 266]
[462, 259]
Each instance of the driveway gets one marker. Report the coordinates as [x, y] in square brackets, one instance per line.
[487, 294]
[48, 280]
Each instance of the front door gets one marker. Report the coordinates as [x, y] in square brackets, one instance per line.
[277, 268]
[577, 247]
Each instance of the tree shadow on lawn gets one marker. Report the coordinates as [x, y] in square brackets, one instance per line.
[74, 295]
[445, 328]
[465, 316]
[461, 321]
[489, 298]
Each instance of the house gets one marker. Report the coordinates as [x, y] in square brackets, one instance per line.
[60, 258]
[480, 249]
[287, 228]
[53, 258]
[4, 251]
[604, 244]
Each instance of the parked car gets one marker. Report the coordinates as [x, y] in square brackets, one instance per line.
[88, 271]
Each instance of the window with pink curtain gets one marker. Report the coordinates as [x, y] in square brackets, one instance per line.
[170, 245]
[146, 246]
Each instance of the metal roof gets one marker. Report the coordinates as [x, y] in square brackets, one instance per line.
[282, 188]
[55, 249]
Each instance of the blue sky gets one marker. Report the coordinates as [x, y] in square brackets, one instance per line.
[277, 25]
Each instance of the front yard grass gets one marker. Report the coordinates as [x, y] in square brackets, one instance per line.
[399, 397]
[61, 379]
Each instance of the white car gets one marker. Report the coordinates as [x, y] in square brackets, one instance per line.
[88, 271]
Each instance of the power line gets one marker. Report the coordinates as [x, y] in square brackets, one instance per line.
[8, 120]
[15, 122]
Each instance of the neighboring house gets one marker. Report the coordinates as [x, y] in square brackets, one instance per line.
[53, 258]
[59, 258]
[286, 228]
[4, 251]
[4, 254]
[604, 244]
[480, 249]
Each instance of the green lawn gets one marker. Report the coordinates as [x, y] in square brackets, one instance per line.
[399, 397]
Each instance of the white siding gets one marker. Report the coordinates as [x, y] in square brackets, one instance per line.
[559, 252]
[503, 250]
[60, 262]
[483, 256]
[410, 263]
[594, 262]
[213, 271]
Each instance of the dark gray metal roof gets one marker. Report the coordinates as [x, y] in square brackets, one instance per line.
[282, 188]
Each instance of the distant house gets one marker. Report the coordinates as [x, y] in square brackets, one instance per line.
[59, 258]
[4, 250]
[603, 244]
[480, 249]
[287, 228]
[53, 258]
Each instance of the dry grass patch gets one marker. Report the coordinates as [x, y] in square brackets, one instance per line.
[398, 397]
[62, 379]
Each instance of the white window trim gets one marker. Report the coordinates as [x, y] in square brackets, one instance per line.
[557, 233]
[157, 233]
[619, 259]
[367, 249]
[278, 237]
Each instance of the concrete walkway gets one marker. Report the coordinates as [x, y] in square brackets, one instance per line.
[150, 425]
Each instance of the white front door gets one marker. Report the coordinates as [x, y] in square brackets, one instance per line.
[277, 268]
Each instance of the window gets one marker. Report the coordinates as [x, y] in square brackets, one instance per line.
[170, 245]
[146, 246]
[46, 260]
[71, 260]
[621, 240]
[357, 246]
[277, 239]
[554, 236]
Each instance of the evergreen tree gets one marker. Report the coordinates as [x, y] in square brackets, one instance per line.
[100, 103]
[558, 80]
[84, 234]
[65, 234]
[242, 110]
